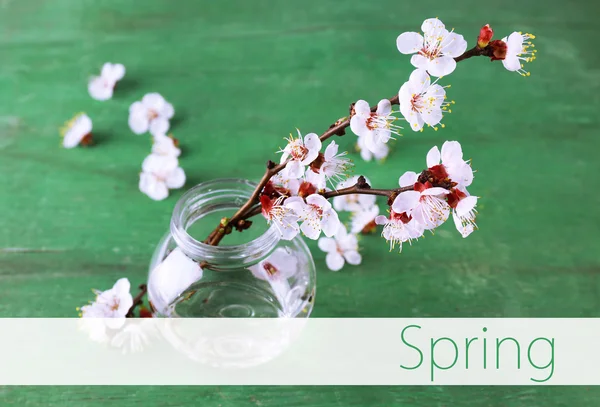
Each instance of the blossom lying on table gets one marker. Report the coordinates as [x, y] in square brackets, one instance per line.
[159, 174]
[342, 248]
[102, 87]
[77, 131]
[112, 303]
[151, 114]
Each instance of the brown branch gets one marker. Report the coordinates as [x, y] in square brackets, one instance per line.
[137, 300]
[476, 52]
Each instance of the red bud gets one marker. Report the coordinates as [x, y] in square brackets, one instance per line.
[485, 35]
[499, 48]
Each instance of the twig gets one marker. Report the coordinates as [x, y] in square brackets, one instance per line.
[137, 300]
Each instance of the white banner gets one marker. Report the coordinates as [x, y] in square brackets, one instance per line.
[327, 351]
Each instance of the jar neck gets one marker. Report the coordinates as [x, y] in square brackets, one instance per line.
[219, 196]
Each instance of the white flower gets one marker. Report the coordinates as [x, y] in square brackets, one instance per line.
[426, 204]
[422, 101]
[159, 174]
[283, 217]
[399, 228]
[102, 87]
[77, 131]
[316, 214]
[165, 145]
[151, 114]
[280, 265]
[352, 202]
[343, 247]
[451, 158]
[300, 152]
[464, 215]
[276, 270]
[113, 303]
[176, 273]
[381, 150]
[363, 221]
[435, 50]
[518, 48]
[331, 166]
[375, 127]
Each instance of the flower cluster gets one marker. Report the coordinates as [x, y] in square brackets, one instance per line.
[291, 200]
[160, 170]
[437, 191]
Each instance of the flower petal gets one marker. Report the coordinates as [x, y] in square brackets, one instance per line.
[362, 108]
[327, 244]
[330, 223]
[331, 150]
[167, 111]
[384, 107]
[358, 125]
[99, 89]
[413, 118]
[419, 80]
[433, 157]
[454, 45]
[432, 116]
[311, 229]
[419, 61]
[294, 169]
[435, 191]
[138, 124]
[466, 205]
[353, 257]
[312, 142]
[176, 179]
[153, 101]
[409, 42]
[406, 201]
[381, 220]
[441, 66]
[318, 200]
[451, 153]
[160, 125]
[512, 63]
[408, 178]
[152, 187]
[432, 25]
[334, 261]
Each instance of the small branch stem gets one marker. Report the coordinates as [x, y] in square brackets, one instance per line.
[137, 300]
[475, 52]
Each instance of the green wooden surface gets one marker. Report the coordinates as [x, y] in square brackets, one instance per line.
[242, 75]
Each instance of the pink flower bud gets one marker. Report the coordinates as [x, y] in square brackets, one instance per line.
[485, 35]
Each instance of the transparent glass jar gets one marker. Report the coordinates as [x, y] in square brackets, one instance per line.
[251, 274]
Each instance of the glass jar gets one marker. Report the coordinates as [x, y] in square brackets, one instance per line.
[251, 274]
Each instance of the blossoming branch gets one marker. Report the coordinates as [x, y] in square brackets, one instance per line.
[293, 195]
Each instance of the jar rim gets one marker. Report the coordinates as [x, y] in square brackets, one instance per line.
[202, 195]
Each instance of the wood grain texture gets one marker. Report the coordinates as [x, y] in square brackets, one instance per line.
[246, 73]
